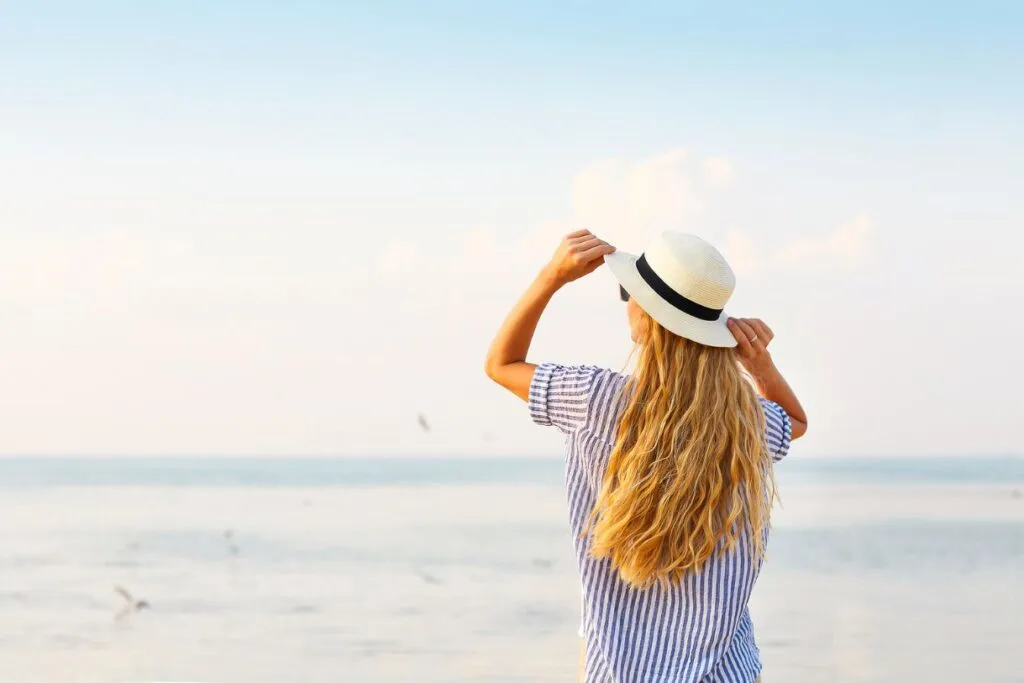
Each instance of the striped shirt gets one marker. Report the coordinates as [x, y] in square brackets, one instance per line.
[697, 630]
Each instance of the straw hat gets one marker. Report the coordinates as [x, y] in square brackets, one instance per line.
[683, 283]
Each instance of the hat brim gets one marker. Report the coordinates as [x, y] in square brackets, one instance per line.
[707, 332]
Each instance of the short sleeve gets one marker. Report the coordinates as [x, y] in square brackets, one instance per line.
[778, 429]
[560, 395]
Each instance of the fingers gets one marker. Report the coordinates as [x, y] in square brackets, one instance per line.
[580, 237]
[580, 253]
[591, 248]
[757, 342]
[753, 342]
[581, 241]
[742, 338]
[755, 332]
[764, 332]
[597, 252]
[745, 328]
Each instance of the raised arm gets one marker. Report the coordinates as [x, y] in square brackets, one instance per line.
[752, 337]
[577, 255]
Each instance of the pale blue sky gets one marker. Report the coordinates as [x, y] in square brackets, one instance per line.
[251, 227]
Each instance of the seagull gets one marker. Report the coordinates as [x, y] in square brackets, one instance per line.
[132, 605]
[428, 578]
[423, 422]
[229, 536]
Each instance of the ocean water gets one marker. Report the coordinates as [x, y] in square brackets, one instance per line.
[402, 569]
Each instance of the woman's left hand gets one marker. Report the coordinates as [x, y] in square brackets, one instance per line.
[752, 339]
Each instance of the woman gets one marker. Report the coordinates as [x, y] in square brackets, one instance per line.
[669, 468]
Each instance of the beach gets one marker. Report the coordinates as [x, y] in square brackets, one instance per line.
[460, 569]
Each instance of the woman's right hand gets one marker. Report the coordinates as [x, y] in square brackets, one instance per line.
[578, 254]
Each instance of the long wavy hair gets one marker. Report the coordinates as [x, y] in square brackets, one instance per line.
[690, 473]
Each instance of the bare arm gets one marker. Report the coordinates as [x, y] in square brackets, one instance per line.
[752, 337]
[578, 254]
[506, 360]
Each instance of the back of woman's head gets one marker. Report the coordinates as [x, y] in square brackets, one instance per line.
[690, 473]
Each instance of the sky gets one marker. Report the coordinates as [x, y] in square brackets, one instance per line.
[287, 228]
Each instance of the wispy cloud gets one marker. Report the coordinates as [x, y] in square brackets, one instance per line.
[628, 202]
[718, 172]
[399, 261]
[848, 246]
[36, 269]
[625, 202]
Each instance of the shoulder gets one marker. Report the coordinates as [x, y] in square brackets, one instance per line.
[579, 378]
[778, 429]
[569, 395]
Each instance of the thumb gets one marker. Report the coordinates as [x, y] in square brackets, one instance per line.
[594, 265]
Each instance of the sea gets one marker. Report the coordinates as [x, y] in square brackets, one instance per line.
[317, 570]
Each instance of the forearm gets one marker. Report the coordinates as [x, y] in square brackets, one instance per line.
[774, 387]
[578, 254]
[506, 357]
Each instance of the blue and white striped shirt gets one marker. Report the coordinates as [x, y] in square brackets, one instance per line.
[698, 630]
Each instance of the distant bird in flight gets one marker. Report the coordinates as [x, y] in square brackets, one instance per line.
[423, 422]
[428, 578]
[131, 604]
[228, 536]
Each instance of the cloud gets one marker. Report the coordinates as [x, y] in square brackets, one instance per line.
[848, 246]
[741, 253]
[844, 246]
[625, 202]
[399, 261]
[629, 202]
[718, 172]
[43, 268]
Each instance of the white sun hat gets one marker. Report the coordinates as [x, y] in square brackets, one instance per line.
[683, 283]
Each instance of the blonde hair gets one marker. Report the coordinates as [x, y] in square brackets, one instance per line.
[690, 473]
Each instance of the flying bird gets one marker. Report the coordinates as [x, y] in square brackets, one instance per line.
[428, 578]
[423, 422]
[229, 536]
[131, 604]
